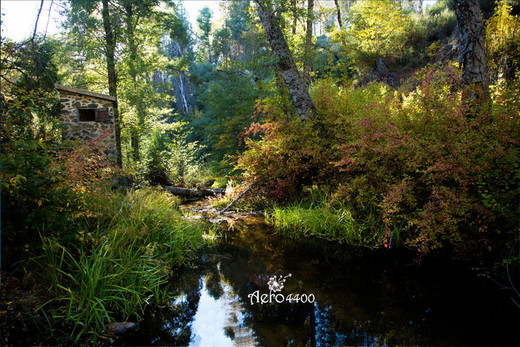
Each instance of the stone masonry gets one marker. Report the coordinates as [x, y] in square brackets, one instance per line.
[99, 107]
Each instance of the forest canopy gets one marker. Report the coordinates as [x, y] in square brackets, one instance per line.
[399, 121]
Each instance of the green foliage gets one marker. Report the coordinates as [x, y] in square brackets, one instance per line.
[221, 44]
[45, 190]
[228, 105]
[32, 198]
[384, 29]
[129, 245]
[503, 42]
[29, 104]
[377, 30]
[409, 158]
[166, 150]
[98, 289]
[323, 220]
[147, 217]
[443, 22]
[204, 23]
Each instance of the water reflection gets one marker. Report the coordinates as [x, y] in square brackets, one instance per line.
[220, 318]
[360, 299]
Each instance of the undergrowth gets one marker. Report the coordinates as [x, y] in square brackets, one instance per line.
[129, 245]
[430, 170]
[251, 201]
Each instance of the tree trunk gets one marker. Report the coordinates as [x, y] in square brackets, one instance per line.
[283, 92]
[297, 88]
[132, 71]
[193, 193]
[338, 10]
[295, 16]
[472, 50]
[112, 77]
[307, 64]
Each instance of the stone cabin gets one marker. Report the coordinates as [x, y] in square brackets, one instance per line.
[87, 115]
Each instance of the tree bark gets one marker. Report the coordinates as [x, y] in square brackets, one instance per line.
[297, 88]
[472, 50]
[338, 10]
[193, 193]
[130, 18]
[295, 16]
[307, 64]
[112, 77]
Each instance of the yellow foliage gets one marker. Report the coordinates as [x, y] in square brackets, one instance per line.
[503, 38]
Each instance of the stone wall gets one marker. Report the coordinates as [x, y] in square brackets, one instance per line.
[73, 129]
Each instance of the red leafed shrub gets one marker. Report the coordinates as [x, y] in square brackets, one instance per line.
[436, 172]
[287, 157]
[85, 168]
[45, 190]
[448, 179]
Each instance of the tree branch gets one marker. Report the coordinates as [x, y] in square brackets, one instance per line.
[36, 24]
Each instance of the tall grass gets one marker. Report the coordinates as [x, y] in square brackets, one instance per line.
[130, 244]
[317, 217]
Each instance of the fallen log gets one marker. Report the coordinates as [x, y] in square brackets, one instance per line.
[193, 193]
[236, 199]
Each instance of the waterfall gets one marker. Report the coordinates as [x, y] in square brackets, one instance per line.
[184, 101]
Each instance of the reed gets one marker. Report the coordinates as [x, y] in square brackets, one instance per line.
[134, 243]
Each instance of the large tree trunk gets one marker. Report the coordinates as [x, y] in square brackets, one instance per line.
[472, 50]
[112, 77]
[297, 88]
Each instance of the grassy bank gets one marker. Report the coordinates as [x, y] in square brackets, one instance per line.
[318, 217]
[128, 246]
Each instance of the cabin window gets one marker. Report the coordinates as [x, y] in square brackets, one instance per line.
[87, 114]
[93, 114]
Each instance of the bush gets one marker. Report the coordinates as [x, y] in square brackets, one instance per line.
[166, 151]
[412, 158]
[430, 167]
[44, 190]
[283, 156]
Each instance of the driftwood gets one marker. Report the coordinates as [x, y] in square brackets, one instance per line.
[236, 199]
[193, 193]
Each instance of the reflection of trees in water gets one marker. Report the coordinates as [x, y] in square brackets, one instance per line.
[235, 326]
[213, 282]
[275, 324]
[350, 292]
[361, 298]
[169, 324]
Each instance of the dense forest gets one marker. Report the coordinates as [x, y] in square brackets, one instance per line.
[378, 124]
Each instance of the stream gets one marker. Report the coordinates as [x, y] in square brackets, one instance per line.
[324, 294]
